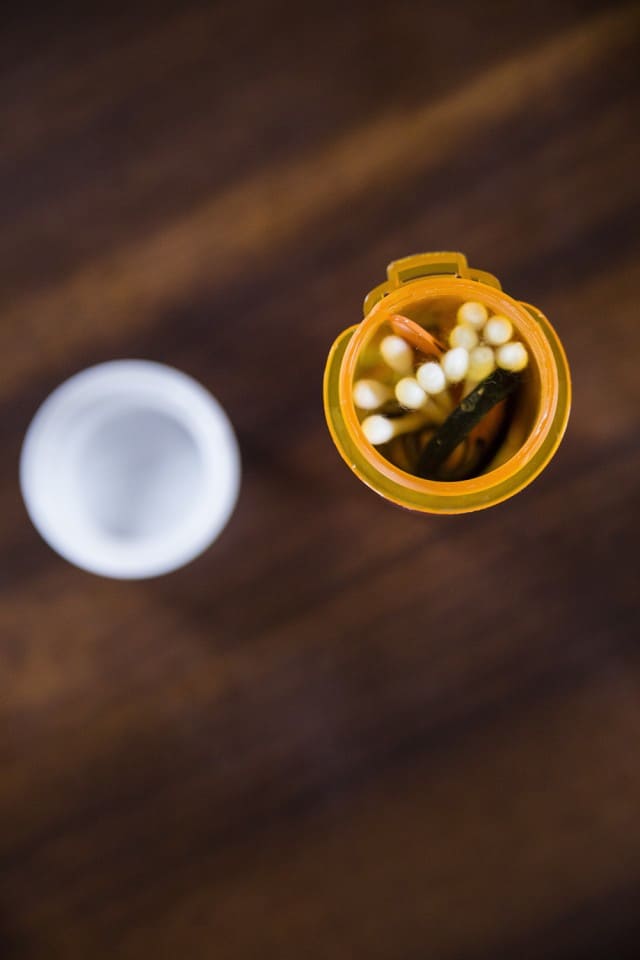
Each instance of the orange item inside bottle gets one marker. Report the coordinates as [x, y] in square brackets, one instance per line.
[416, 335]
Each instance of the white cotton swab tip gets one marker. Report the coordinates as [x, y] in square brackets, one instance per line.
[481, 363]
[378, 429]
[463, 336]
[397, 354]
[370, 394]
[410, 394]
[455, 364]
[512, 356]
[431, 378]
[472, 314]
[497, 331]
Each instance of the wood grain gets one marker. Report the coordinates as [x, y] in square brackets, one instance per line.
[291, 748]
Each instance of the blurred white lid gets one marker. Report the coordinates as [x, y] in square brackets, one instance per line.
[130, 469]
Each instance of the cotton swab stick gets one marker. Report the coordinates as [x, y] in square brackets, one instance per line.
[472, 314]
[397, 354]
[481, 363]
[436, 412]
[378, 429]
[455, 364]
[512, 356]
[371, 394]
[497, 331]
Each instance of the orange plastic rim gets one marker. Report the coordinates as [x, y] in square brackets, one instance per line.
[552, 404]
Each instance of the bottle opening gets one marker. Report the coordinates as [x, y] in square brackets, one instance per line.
[137, 475]
[446, 390]
[449, 396]
[130, 469]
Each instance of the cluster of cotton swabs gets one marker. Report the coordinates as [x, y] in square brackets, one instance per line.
[479, 344]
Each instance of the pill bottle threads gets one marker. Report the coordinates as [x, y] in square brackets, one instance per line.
[543, 408]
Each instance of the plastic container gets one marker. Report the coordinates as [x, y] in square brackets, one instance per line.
[543, 404]
[130, 469]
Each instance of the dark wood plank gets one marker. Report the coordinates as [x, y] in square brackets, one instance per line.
[291, 748]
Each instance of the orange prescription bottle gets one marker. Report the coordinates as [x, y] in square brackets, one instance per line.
[544, 398]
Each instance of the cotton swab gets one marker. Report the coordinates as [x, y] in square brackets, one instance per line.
[397, 354]
[410, 394]
[512, 356]
[371, 394]
[481, 363]
[431, 378]
[472, 314]
[455, 364]
[463, 336]
[378, 429]
[497, 331]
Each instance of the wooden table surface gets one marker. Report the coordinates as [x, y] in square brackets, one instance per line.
[345, 731]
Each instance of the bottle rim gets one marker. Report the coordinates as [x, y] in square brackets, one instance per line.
[551, 413]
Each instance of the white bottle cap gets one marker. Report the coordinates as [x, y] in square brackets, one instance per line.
[130, 469]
